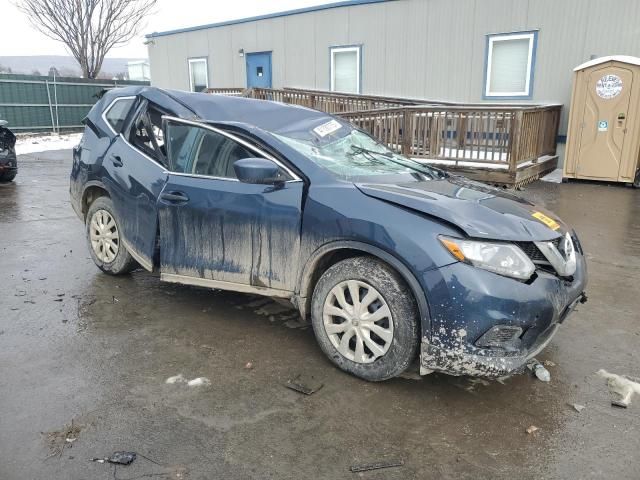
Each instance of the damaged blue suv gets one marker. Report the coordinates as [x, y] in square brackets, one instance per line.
[390, 260]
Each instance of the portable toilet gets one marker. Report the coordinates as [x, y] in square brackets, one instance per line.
[603, 140]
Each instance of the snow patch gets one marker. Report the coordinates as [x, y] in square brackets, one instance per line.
[553, 177]
[43, 143]
[199, 382]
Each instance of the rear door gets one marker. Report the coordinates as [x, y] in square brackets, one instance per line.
[136, 173]
[217, 231]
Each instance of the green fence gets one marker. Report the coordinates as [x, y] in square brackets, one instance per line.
[32, 103]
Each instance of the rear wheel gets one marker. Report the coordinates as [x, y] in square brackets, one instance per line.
[365, 319]
[104, 239]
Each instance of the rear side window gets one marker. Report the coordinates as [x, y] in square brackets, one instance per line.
[146, 133]
[117, 113]
[204, 152]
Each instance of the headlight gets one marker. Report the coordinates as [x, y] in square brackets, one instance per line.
[501, 258]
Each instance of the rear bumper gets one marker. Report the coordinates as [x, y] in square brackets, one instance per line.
[480, 301]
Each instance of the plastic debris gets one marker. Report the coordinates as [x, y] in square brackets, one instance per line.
[376, 466]
[532, 429]
[538, 370]
[118, 458]
[248, 366]
[548, 363]
[199, 382]
[621, 385]
[176, 379]
[307, 388]
[122, 458]
[577, 407]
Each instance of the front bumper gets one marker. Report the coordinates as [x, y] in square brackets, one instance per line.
[468, 302]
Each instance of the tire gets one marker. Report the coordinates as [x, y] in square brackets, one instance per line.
[395, 335]
[113, 259]
[8, 177]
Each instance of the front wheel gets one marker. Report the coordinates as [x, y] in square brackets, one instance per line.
[105, 240]
[8, 176]
[365, 318]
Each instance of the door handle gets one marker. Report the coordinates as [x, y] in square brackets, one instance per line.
[174, 197]
[116, 160]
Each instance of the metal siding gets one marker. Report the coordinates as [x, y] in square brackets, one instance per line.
[300, 51]
[366, 28]
[158, 62]
[432, 49]
[221, 57]
[270, 38]
[331, 29]
[242, 36]
[177, 57]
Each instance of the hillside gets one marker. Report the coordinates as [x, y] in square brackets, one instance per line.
[65, 65]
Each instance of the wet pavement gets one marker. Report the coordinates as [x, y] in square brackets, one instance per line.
[79, 346]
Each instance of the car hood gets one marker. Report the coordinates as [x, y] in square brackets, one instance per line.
[477, 209]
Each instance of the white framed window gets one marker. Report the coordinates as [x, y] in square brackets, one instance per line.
[510, 63]
[198, 74]
[345, 69]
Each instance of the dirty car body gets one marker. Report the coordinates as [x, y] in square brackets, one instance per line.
[8, 160]
[491, 275]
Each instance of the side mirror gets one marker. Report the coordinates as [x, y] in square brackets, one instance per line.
[256, 170]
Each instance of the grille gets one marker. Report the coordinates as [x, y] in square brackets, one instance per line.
[531, 251]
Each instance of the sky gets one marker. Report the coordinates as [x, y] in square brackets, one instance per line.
[18, 37]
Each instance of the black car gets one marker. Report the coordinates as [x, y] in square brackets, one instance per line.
[8, 160]
[389, 259]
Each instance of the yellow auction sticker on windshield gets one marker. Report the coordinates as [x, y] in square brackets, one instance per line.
[549, 222]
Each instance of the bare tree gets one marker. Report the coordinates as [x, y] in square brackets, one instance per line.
[89, 28]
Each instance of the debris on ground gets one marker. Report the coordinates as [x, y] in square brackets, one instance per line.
[411, 375]
[118, 458]
[308, 387]
[248, 366]
[532, 429]
[199, 382]
[621, 385]
[59, 440]
[196, 382]
[538, 370]
[176, 379]
[296, 322]
[376, 466]
[577, 407]
[548, 363]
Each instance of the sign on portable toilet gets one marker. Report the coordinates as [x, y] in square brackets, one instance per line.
[603, 140]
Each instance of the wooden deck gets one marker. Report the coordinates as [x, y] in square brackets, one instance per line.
[502, 144]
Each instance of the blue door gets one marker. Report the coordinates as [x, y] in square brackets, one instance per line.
[216, 230]
[259, 70]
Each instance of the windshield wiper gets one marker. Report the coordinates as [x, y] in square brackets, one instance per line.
[371, 154]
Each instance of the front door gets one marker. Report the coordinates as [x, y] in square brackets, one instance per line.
[217, 231]
[259, 70]
[604, 123]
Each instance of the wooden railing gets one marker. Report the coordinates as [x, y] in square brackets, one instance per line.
[232, 92]
[330, 102]
[505, 135]
[464, 136]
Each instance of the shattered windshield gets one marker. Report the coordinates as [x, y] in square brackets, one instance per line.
[355, 154]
